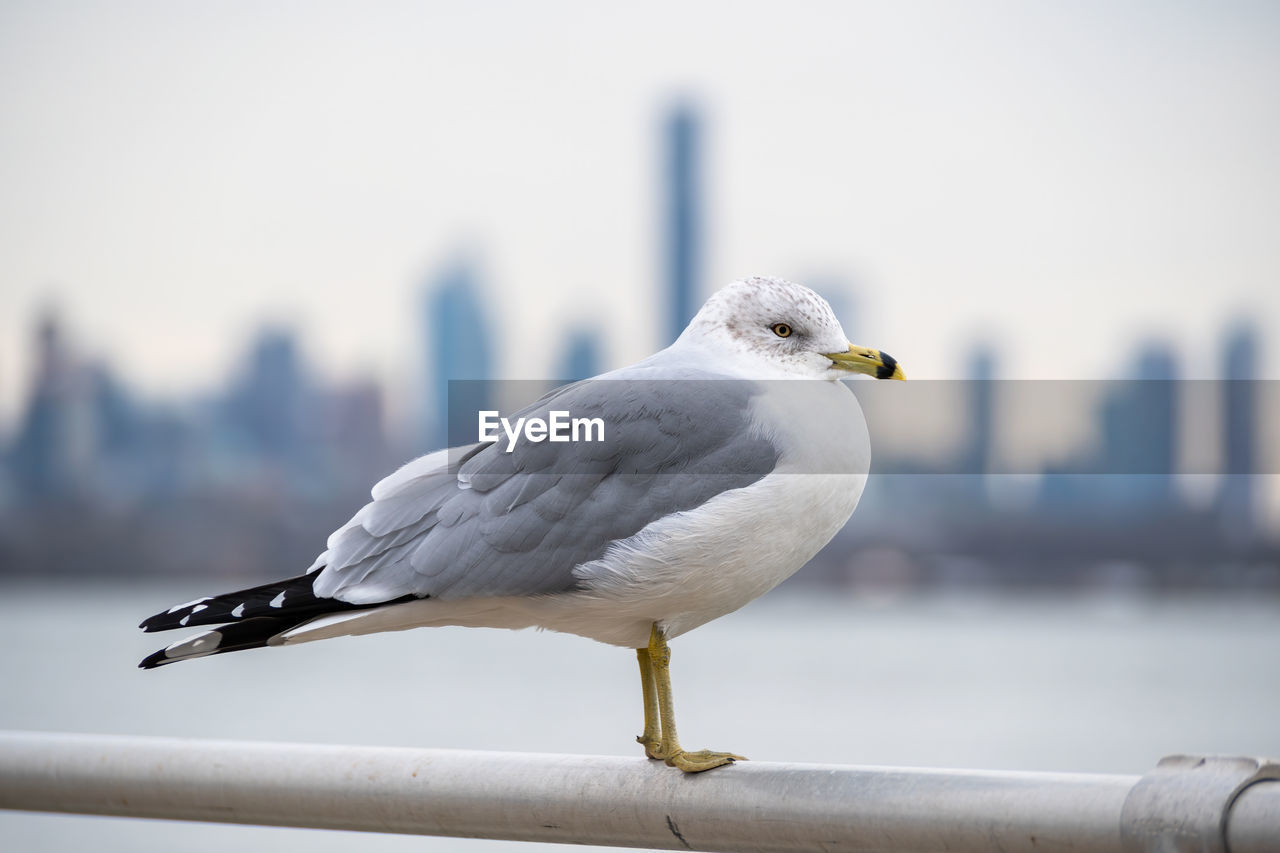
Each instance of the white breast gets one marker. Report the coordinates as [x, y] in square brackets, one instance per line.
[692, 567]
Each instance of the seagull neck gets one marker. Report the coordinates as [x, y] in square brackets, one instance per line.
[702, 355]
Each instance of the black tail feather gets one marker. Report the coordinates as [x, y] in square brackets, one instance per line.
[293, 598]
[249, 634]
[247, 619]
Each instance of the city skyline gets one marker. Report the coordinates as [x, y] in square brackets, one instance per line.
[274, 407]
[275, 395]
[276, 401]
[256, 467]
[253, 473]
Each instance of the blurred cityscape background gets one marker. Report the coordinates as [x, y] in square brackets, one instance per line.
[245, 480]
[1101, 208]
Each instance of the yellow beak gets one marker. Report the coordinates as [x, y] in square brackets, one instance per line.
[872, 362]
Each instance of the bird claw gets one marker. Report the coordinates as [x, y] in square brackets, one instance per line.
[703, 759]
[652, 748]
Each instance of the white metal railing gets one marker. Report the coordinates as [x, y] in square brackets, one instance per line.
[1185, 804]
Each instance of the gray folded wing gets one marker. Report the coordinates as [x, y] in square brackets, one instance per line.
[492, 523]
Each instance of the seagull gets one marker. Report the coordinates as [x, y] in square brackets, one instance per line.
[717, 477]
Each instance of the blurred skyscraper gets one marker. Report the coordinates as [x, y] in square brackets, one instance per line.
[1139, 419]
[682, 220]
[268, 405]
[52, 451]
[581, 359]
[1239, 425]
[982, 368]
[1132, 472]
[458, 341]
[1140, 436]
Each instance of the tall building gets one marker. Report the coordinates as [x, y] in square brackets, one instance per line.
[1132, 472]
[269, 405]
[980, 387]
[682, 221]
[53, 450]
[459, 353]
[1140, 433]
[1239, 438]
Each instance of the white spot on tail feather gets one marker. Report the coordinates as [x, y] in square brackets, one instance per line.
[278, 601]
[175, 608]
[238, 612]
[194, 647]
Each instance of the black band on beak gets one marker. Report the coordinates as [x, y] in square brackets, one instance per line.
[884, 371]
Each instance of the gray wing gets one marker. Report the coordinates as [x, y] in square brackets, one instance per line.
[492, 523]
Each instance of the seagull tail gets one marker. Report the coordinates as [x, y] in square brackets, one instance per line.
[249, 634]
[246, 619]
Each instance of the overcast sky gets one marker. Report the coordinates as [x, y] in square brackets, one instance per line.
[1064, 180]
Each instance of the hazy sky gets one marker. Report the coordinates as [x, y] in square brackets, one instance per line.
[1064, 179]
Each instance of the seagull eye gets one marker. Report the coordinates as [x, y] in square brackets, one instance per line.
[782, 330]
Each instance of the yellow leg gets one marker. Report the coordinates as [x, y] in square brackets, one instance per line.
[668, 746]
[652, 737]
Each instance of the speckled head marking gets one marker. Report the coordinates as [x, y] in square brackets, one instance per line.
[781, 327]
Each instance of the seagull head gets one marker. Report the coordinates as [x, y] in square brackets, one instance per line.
[768, 327]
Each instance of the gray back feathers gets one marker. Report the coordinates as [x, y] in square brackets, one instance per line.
[484, 522]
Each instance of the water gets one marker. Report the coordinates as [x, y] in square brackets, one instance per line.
[1045, 683]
